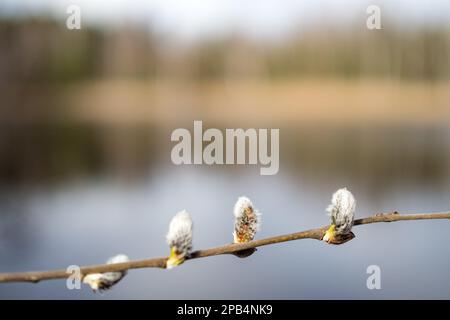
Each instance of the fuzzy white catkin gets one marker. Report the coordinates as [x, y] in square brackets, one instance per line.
[104, 281]
[342, 210]
[116, 276]
[245, 225]
[180, 233]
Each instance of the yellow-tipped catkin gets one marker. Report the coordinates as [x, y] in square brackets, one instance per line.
[179, 238]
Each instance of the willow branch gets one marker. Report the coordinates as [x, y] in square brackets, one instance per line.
[316, 234]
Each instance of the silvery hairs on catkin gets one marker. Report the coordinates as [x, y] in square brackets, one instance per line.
[342, 210]
[180, 233]
[104, 281]
[116, 276]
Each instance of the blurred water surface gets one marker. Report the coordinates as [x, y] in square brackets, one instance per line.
[86, 211]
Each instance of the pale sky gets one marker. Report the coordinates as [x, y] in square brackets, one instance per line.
[192, 19]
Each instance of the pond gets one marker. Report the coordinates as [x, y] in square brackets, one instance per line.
[78, 195]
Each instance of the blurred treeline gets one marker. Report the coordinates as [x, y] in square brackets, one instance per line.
[43, 65]
[43, 50]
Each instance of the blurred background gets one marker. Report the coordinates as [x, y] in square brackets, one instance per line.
[86, 117]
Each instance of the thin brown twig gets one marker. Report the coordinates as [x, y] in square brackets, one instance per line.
[317, 234]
